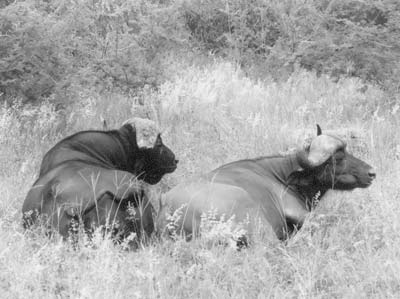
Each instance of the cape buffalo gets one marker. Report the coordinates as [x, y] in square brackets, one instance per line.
[115, 149]
[275, 191]
[93, 176]
[75, 191]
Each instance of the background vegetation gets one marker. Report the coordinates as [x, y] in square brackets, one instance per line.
[58, 47]
[224, 80]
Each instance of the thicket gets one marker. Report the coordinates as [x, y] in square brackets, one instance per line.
[57, 47]
[339, 38]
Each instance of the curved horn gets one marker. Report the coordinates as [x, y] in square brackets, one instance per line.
[158, 141]
[319, 131]
[322, 148]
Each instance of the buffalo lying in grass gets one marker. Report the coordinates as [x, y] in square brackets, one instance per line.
[276, 191]
[97, 177]
[75, 191]
[115, 149]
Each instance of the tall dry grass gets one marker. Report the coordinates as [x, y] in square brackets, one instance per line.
[348, 247]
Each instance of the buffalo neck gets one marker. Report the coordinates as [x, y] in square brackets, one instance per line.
[131, 152]
[281, 167]
[121, 153]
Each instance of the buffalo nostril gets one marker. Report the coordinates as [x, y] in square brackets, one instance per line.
[372, 174]
[176, 161]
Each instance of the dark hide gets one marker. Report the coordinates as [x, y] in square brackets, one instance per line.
[79, 192]
[115, 149]
[92, 176]
[278, 191]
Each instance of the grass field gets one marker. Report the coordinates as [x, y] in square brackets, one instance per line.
[348, 248]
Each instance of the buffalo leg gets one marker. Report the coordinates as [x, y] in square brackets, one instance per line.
[295, 213]
[107, 212]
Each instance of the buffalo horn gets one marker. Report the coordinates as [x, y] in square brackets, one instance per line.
[319, 131]
[321, 148]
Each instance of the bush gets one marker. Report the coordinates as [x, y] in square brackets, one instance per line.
[349, 38]
[31, 64]
[49, 47]
[354, 38]
[246, 27]
[62, 47]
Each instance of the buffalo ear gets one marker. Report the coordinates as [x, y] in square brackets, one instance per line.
[300, 178]
[158, 140]
[319, 131]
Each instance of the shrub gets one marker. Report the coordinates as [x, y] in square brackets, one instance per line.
[350, 38]
[49, 47]
[31, 64]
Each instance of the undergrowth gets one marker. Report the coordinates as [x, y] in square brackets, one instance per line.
[348, 247]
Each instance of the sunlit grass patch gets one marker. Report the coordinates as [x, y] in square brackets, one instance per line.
[347, 248]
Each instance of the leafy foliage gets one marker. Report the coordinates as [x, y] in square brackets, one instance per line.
[60, 47]
[54, 46]
[339, 38]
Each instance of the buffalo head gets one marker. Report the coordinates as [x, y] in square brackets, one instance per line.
[327, 165]
[158, 161]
